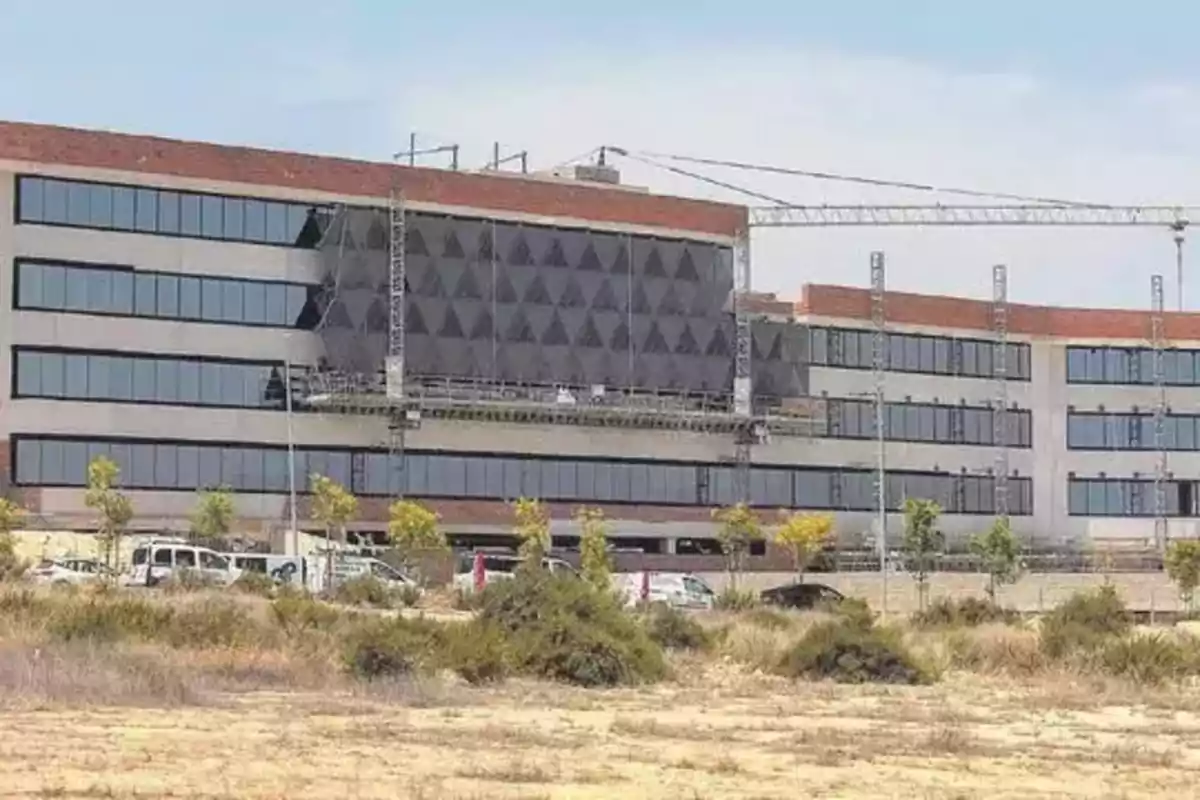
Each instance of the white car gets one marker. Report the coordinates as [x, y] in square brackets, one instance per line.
[69, 571]
[159, 559]
[678, 589]
[499, 566]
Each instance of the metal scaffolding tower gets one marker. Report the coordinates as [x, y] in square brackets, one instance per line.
[879, 373]
[1158, 343]
[1000, 432]
[394, 368]
[743, 395]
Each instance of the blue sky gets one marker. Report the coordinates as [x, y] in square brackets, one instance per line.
[1059, 98]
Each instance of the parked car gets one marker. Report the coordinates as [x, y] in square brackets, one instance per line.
[158, 560]
[801, 595]
[279, 568]
[348, 567]
[69, 571]
[500, 566]
[678, 589]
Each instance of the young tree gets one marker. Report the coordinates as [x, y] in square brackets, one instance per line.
[115, 508]
[332, 506]
[998, 552]
[212, 519]
[804, 535]
[922, 542]
[533, 529]
[594, 561]
[737, 527]
[1183, 568]
[12, 566]
[413, 529]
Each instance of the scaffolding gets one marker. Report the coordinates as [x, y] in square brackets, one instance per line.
[398, 419]
[879, 374]
[1158, 344]
[745, 437]
[1000, 431]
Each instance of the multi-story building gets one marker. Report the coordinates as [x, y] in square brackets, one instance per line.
[163, 291]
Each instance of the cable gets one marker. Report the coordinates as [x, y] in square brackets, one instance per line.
[704, 178]
[858, 179]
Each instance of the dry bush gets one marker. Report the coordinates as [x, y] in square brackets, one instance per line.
[757, 648]
[969, 612]
[996, 649]
[674, 629]
[846, 652]
[1084, 623]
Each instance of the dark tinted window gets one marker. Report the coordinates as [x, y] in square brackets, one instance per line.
[905, 352]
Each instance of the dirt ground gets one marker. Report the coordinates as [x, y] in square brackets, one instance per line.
[721, 735]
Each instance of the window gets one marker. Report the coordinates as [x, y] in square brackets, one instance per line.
[250, 468]
[157, 211]
[95, 289]
[1117, 431]
[935, 355]
[1131, 366]
[924, 422]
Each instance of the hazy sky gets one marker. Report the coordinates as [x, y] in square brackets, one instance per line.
[1069, 98]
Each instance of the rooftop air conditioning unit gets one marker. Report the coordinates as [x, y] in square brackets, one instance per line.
[590, 173]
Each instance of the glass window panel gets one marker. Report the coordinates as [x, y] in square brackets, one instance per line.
[210, 384]
[52, 462]
[925, 423]
[276, 223]
[231, 301]
[416, 474]
[189, 298]
[100, 208]
[254, 303]
[144, 379]
[55, 202]
[123, 208]
[494, 479]
[29, 461]
[168, 212]
[275, 303]
[639, 482]
[970, 361]
[819, 345]
[296, 297]
[75, 286]
[812, 489]
[53, 375]
[297, 216]
[30, 199]
[275, 470]
[100, 368]
[476, 477]
[166, 467]
[209, 472]
[145, 294]
[145, 218]
[79, 204]
[188, 472]
[235, 218]
[896, 345]
[99, 289]
[602, 476]
[256, 221]
[54, 286]
[76, 376]
[122, 293]
[253, 479]
[912, 353]
[168, 296]
[212, 217]
[232, 474]
[166, 383]
[233, 385]
[338, 468]
[29, 374]
[29, 285]
[189, 382]
[926, 354]
[189, 215]
[141, 473]
[210, 299]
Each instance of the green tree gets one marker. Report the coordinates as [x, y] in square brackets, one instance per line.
[737, 527]
[414, 530]
[1182, 561]
[998, 552]
[212, 519]
[923, 542]
[333, 506]
[803, 535]
[594, 561]
[532, 527]
[115, 508]
[12, 566]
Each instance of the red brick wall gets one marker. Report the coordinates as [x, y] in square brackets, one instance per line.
[48, 144]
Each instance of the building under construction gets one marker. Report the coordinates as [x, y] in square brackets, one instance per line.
[221, 316]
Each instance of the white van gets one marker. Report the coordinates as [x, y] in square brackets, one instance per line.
[348, 567]
[158, 560]
[678, 589]
[279, 568]
[499, 566]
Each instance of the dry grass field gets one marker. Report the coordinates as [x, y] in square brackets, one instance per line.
[218, 704]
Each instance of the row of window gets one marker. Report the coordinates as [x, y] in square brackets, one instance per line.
[1110, 431]
[854, 348]
[161, 380]
[1131, 365]
[89, 289]
[105, 206]
[1130, 497]
[927, 422]
[191, 466]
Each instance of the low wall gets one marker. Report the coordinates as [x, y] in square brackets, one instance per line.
[1142, 591]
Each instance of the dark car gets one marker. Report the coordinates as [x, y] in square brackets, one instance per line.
[801, 595]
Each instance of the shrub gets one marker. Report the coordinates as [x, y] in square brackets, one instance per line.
[364, 590]
[733, 599]
[295, 613]
[562, 628]
[1084, 622]
[968, 612]
[108, 619]
[849, 653]
[408, 595]
[1152, 658]
[477, 652]
[770, 619]
[853, 611]
[188, 580]
[674, 629]
[996, 649]
[216, 622]
[254, 583]
[382, 649]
